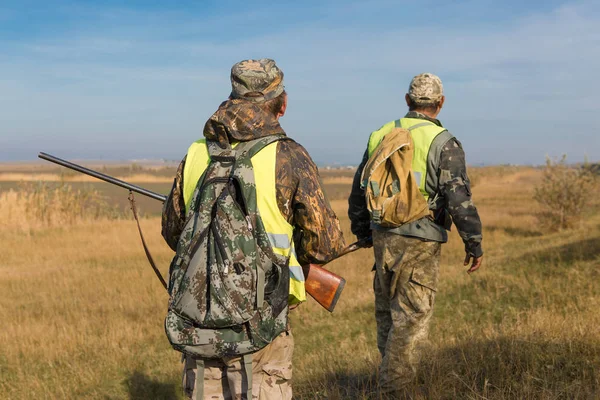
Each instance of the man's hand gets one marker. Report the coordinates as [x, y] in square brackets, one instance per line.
[366, 242]
[475, 264]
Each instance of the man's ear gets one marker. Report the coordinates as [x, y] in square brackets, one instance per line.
[407, 98]
[281, 112]
[442, 100]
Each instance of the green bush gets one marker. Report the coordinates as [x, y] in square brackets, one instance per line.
[564, 194]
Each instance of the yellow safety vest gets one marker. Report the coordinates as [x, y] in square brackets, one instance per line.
[423, 133]
[278, 229]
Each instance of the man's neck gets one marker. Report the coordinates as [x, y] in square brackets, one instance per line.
[432, 115]
[419, 114]
[428, 115]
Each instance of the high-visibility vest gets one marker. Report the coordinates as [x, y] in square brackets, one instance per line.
[278, 229]
[423, 133]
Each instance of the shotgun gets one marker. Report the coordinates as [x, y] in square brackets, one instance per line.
[322, 285]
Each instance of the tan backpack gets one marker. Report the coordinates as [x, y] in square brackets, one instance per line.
[391, 190]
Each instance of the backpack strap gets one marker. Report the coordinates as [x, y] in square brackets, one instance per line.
[244, 149]
[250, 148]
[397, 124]
[215, 148]
[247, 361]
[420, 125]
[247, 367]
[199, 379]
[260, 287]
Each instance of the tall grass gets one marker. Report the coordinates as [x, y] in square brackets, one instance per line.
[37, 205]
[82, 313]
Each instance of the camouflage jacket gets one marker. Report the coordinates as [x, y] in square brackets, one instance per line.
[300, 196]
[454, 188]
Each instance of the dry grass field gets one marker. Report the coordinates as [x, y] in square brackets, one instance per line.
[82, 313]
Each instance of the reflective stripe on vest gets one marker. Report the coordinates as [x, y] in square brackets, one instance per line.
[278, 229]
[423, 133]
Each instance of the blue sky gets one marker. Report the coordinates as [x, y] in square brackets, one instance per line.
[138, 79]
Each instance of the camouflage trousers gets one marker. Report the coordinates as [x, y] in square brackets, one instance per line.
[405, 283]
[224, 379]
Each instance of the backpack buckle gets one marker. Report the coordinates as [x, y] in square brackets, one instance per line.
[376, 216]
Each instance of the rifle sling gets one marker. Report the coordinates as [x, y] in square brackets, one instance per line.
[148, 255]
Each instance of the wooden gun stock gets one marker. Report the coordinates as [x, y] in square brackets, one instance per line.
[324, 286]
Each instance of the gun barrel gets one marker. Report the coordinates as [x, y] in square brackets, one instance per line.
[102, 176]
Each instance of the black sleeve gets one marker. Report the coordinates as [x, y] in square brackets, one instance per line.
[360, 218]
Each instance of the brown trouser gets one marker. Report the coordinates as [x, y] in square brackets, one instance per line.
[224, 378]
[405, 283]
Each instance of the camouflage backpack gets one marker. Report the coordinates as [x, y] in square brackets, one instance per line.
[391, 190]
[228, 289]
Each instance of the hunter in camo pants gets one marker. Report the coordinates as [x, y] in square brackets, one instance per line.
[224, 378]
[408, 255]
[405, 283]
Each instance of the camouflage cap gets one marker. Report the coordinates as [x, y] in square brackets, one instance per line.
[426, 88]
[256, 80]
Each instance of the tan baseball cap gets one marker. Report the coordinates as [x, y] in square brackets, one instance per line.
[426, 88]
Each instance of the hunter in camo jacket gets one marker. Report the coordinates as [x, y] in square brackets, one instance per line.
[252, 111]
[407, 257]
